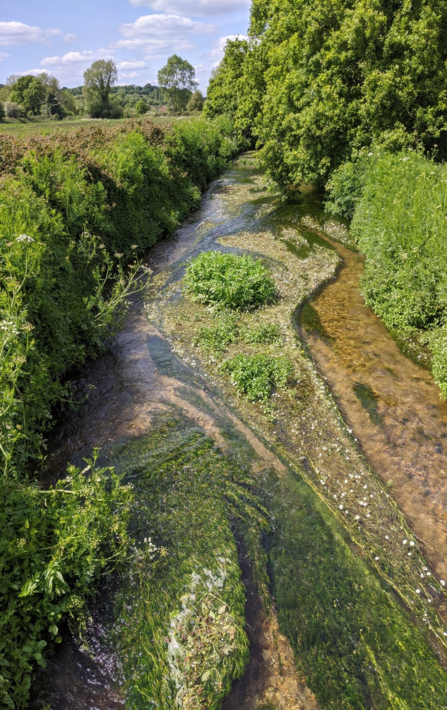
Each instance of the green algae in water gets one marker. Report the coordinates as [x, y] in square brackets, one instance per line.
[369, 400]
[180, 631]
[355, 644]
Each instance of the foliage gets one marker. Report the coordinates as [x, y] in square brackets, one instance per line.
[177, 78]
[74, 212]
[399, 223]
[141, 107]
[54, 544]
[220, 335]
[229, 281]
[98, 80]
[37, 95]
[196, 101]
[318, 81]
[262, 333]
[256, 376]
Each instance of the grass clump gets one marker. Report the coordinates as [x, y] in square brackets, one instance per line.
[229, 281]
[262, 333]
[219, 336]
[256, 376]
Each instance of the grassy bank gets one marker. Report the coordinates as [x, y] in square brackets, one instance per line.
[399, 207]
[77, 209]
[23, 127]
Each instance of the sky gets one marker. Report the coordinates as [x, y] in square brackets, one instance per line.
[63, 37]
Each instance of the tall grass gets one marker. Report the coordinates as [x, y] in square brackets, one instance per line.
[400, 223]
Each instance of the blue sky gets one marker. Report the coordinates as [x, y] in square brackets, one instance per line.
[63, 37]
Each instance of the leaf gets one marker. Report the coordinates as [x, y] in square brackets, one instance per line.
[205, 676]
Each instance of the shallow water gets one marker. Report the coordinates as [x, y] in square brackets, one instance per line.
[391, 403]
[143, 377]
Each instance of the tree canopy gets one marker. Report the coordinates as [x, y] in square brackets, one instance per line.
[177, 77]
[98, 81]
[319, 81]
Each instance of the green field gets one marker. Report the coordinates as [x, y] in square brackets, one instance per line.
[24, 126]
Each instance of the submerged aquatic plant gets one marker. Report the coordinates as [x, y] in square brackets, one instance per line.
[256, 376]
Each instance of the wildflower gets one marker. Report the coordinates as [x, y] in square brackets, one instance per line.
[134, 246]
[418, 591]
[412, 543]
[404, 542]
[24, 238]
[341, 507]
[442, 582]
[118, 256]
[377, 559]
[357, 517]
[370, 155]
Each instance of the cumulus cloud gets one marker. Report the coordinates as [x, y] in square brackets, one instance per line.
[196, 8]
[216, 54]
[129, 75]
[71, 66]
[131, 65]
[76, 58]
[158, 35]
[69, 37]
[12, 33]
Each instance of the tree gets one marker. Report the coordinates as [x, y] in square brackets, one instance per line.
[141, 107]
[178, 80]
[29, 92]
[98, 81]
[196, 101]
[336, 78]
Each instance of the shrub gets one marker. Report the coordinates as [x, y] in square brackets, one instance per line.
[229, 281]
[256, 376]
[400, 224]
[53, 546]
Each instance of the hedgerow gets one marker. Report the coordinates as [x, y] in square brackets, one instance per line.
[77, 209]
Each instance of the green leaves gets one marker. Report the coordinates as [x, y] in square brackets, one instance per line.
[256, 376]
[229, 281]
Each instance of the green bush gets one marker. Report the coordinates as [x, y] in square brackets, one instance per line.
[229, 281]
[53, 546]
[256, 376]
[400, 224]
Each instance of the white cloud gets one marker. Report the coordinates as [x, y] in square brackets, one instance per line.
[69, 68]
[158, 35]
[217, 53]
[196, 8]
[76, 58]
[12, 33]
[3, 56]
[130, 75]
[69, 37]
[131, 65]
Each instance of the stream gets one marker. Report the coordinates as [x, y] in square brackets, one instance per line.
[361, 418]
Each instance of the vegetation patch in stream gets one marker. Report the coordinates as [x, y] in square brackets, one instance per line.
[180, 629]
[369, 400]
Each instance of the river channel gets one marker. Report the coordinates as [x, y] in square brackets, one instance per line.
[350, 462]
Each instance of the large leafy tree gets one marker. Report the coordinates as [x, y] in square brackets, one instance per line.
[28, 91]
[178, 78]
[321, 80]
[98, 81]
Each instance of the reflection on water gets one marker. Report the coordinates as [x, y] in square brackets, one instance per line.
[391, 403]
